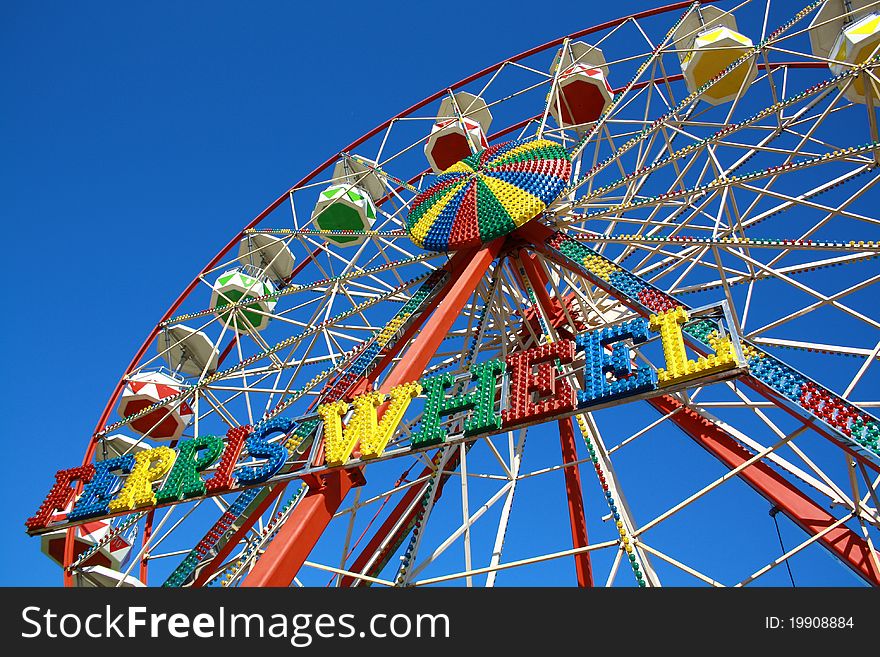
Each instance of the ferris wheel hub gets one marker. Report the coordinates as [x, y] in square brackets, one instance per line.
[489, 194]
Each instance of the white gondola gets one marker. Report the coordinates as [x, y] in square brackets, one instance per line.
[118, 445]
[707, 42]
[268, 253]
[360, 172]
[461, 128]
[187, 350]
[847, 32]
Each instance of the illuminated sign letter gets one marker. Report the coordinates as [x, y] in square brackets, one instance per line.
[378, 435]
[193, 457]
[437, 404]
[259, 446]
[598, 361]
[149, 466]
[222, 478]
[678, 366]
[554, 395]
[336, 447]
[60, 495]
[364, 427]
[484, 418]
[99, 491]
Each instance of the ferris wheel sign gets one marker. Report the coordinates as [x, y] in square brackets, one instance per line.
[546, 382]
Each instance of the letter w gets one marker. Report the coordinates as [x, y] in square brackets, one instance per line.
[364, 427]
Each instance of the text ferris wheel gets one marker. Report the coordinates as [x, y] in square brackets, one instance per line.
[594, 315]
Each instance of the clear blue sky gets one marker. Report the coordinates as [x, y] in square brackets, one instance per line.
[136, 139]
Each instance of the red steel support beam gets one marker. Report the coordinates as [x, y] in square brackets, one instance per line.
[145, 541]
[389, 354]
[282, 560]
[538, 278]
[842, 542]
[576, 511]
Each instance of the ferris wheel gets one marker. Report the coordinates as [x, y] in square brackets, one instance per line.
[599, 314]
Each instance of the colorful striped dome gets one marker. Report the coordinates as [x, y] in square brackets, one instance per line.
[488, 194]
